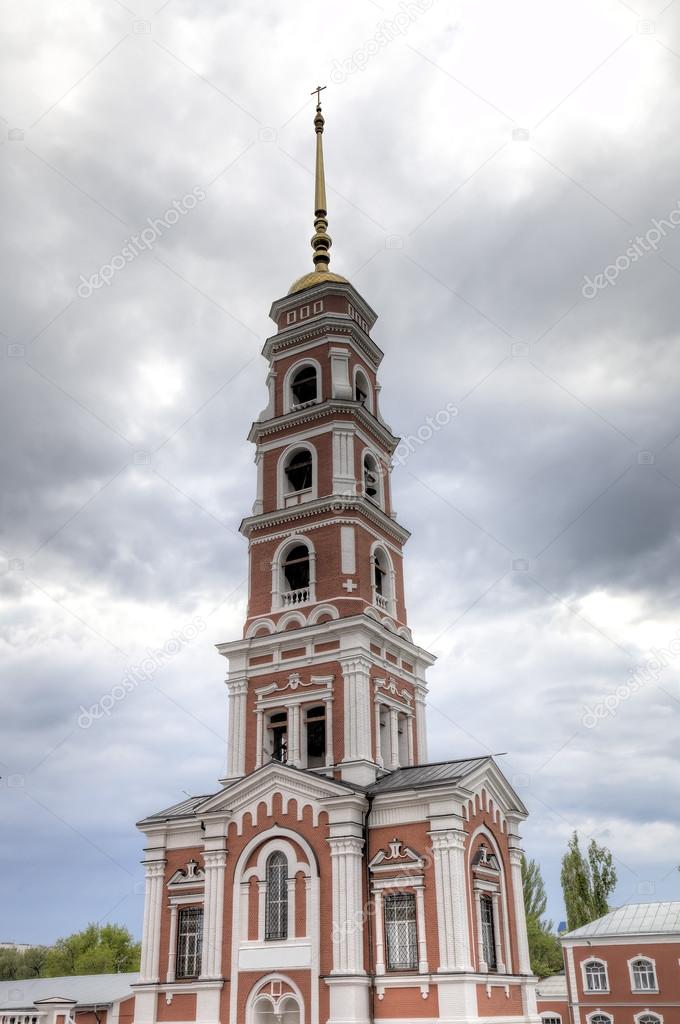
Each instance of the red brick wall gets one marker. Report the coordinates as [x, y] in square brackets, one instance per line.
[616, 957]
[495, 1001]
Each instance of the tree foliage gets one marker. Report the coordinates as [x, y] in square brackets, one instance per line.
[544, 946]
[98, 949]
[587, 882]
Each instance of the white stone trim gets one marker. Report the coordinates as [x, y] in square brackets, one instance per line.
[643, 991]
[595, 991]
[289, 499]
[288, 404]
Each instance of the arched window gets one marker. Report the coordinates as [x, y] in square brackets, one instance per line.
[362, 389]
[644, 975]
[600, 1018]
[276, 926]
[303, 386]
[296, 575]
[372, 478]
[648, 1018]
[382, 580]
[488, 932]
[596, 977]
[298, 470]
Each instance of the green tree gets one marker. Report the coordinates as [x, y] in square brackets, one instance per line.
[587, 883]
[107, 949]
[32, 962]
[544, 946]
[9, 964]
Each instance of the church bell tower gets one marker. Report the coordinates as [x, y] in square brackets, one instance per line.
[326, 676]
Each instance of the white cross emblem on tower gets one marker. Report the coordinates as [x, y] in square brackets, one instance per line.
[349, 586]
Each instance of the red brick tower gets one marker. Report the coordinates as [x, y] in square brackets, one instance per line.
[326, 563]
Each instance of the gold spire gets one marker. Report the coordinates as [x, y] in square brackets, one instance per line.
[321, 240]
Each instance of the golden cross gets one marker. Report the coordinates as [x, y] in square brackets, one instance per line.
[319, 89]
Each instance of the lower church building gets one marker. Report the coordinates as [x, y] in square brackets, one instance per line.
[336, 875]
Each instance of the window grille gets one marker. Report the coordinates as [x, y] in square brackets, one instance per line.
[189, 940]
[648, 1018]
[401, 932]
[488, 932]
[551, 1019]
[600, 1018]
[277, 897]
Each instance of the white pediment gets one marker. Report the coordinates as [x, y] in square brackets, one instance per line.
[397, 857]
[190, 877]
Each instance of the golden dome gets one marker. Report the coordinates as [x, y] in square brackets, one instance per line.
[315, 277]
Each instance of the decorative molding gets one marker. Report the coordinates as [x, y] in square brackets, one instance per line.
[191, 877]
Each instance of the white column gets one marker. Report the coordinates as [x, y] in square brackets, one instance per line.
[379, 933]
[244, 911]
[422, 934]
[259, 738]
[308, 907]
[448, 847]
[483, 966]
[261, 909]
[344, 480]
[294, 735]
[348, 918]
[421, 724]
[236, 757]
[328, 703]
[394, 738]
[153, 905]
[213, 913]
[291, 909]
[258, 505]
[172, 942]
[409, 727]
[378, 750]
[518, 902]
[500, 966]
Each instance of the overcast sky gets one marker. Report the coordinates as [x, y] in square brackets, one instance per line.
[482, 159]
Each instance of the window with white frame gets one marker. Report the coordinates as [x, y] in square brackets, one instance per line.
[595, 973]
[648, 1018]
[189, 941]
[304, 386]
[362, 389]
[643, 975]
[298, 471]
[277, 727]
[551, 1018]
[276, 926]
[488, 932]
[401, 931]
[372, 481]
[382, 580]
[295, 576]
[600, 1018]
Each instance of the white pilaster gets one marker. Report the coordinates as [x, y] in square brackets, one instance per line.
[344, 480]
[421, 724]
[259, 738]
[422, 934]
[261, 909]
[518, 904]
[213, 913]
[172, 942]
[348, 930]
[379, 933]
[154, 867]
[357, 704]
[394, 738]
[500, 966]
[410, 726]
[236, 757]
[448, 847]
[378, 752]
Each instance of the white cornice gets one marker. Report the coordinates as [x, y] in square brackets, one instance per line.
[333, 503]
[323, 410]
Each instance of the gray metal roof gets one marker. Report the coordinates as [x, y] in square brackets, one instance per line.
[85, 989]
[633, 919]
[185, 809]
[424, 775]
[554, 987]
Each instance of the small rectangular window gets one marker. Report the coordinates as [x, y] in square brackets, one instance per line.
[304, 312]
[316, 737]
[318, 306]
[292, 317]
[189, 941]
[401, 932]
